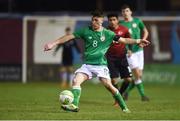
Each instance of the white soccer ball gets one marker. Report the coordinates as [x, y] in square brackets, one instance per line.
[66, 97]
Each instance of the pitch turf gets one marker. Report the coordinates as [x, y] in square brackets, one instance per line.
[37, 101]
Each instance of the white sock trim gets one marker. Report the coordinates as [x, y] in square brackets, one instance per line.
[76, 87]
[117, 92]
[138, 81]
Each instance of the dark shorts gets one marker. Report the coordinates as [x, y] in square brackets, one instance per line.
[67, 61]
[119, 67]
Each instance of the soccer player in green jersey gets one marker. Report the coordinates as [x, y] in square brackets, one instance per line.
[135, 57]
[97, 40]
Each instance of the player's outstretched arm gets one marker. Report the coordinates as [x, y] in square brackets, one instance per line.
[61, 40]
[140, 42]
[143, 43]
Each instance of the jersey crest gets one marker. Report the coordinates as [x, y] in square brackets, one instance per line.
[89, 37]
[102, 38]
[134, 25]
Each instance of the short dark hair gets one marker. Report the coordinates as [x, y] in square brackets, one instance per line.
[68, 29]
[125, 6]
[112, 15]
[97, 13]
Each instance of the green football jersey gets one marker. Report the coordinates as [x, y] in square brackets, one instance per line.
[96, 44]
[135, 27]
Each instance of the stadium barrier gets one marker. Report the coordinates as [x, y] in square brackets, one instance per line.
[31, 32]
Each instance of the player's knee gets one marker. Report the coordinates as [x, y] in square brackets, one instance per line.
[107, 84]
[75, 82]
[129, 79]
[113, 89]
[114, 80]
[137, 76]
[140, 75]
[110, 87]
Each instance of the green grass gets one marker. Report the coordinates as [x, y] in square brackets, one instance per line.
[36, 101]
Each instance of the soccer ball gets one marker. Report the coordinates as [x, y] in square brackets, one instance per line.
[66, 97]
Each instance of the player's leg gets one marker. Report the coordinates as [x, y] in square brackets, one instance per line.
[63, 75]
[76, 86]
[76, 90]
[115, 82]
[129, 82]
[125, 84]
[138, 75]
[125, 73]
[81, 75]
[139, 84]
[132, 60]
[67, 62]
[130, 86]
[103, 73]
[114, 71]
[70, 73]
[117, 96]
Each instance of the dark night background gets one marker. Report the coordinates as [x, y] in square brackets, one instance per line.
[14, 13]
[142, 7]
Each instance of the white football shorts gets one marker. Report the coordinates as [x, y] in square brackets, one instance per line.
[136, 60]
[94, 71]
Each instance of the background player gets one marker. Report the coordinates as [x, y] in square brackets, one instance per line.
[97, 40]
[67, 70]
[116, 55]
[135, 57]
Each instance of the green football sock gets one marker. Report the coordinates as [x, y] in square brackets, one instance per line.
[130, 87]
[120, 100]
[77, 93]
[140, 88]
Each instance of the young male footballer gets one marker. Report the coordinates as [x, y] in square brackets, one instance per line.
[135, 56]
[116, 55]
[97, 40]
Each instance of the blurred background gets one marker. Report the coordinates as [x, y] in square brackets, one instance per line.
[25, 25]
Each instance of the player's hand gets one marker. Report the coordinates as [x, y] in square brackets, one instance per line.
[129, 53]
[48, 46]
[143, 43]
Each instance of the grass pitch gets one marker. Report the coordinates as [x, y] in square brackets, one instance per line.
[36, 101]
[39, 100]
